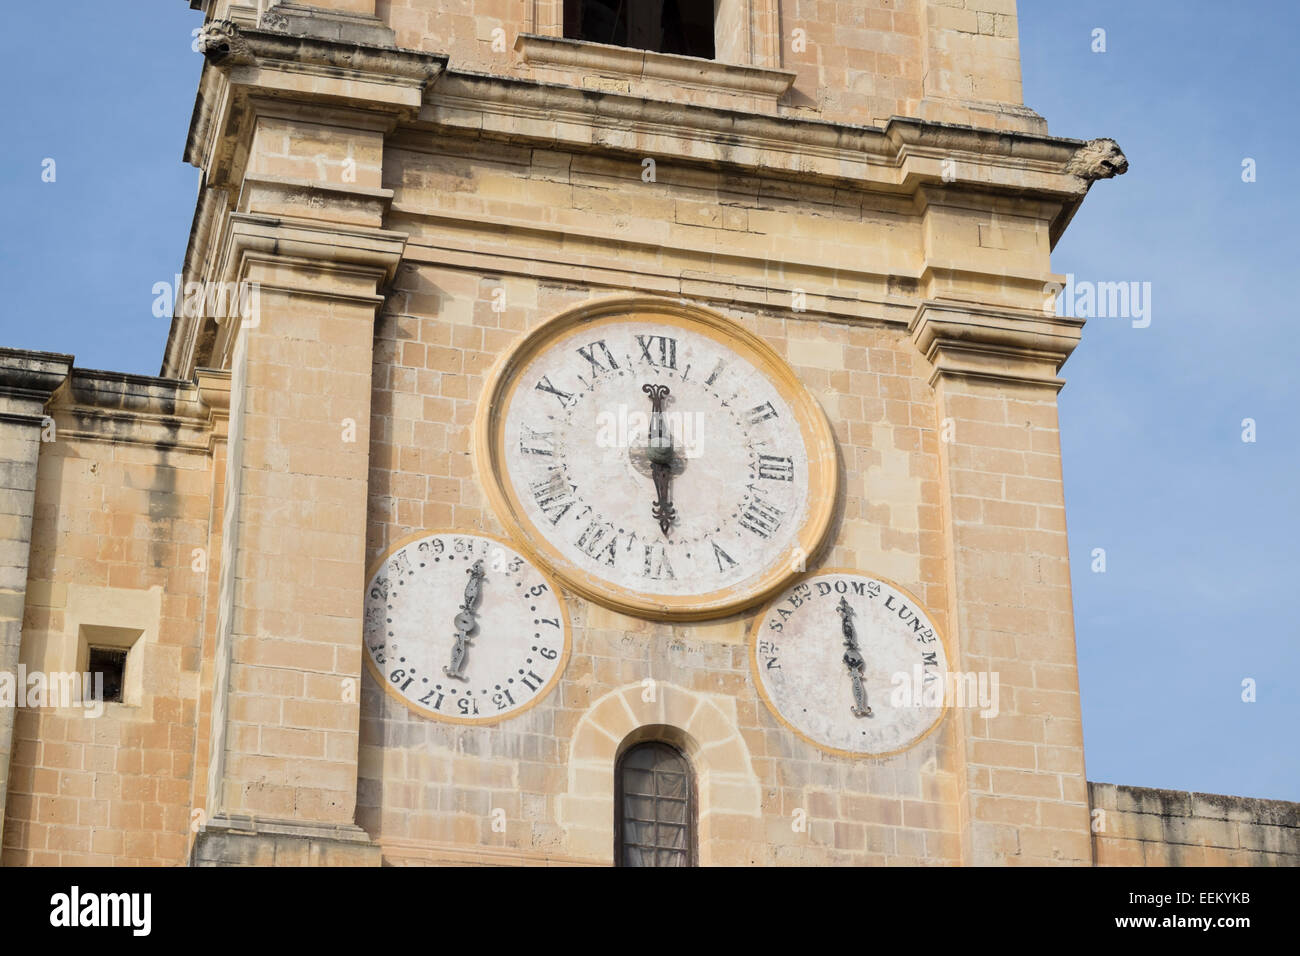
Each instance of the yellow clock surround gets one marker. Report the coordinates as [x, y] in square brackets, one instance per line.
[491, 457]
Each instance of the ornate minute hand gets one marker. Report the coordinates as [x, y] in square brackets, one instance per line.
[465, 623]
[853, 660]
[660, 453]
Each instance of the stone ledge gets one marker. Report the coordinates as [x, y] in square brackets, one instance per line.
[899, 158]
[1180, 803]
[634, 64]
[139, 409]
[27, 380]
[425, 853]
[244, 841]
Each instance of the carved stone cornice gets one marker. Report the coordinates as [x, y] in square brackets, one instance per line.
[27, 381]
[342, 262]
[304, 257]
[131, 409]
[106, 406]
[899, 158]
[398, 83]
[248, 69]
[1004, 345]
[255, 72]
[214, 391]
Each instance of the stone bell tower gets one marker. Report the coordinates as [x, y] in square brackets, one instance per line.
[426, 204]
[413, 185]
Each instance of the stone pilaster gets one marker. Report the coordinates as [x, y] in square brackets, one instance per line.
[970, 66]
[289, 130]
[27, 379]
[1023, 795]
[288, 655]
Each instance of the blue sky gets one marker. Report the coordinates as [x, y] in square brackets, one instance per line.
[1200, 529]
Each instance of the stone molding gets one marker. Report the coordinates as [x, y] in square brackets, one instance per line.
[352, 253]
[27, 380]
[232, 840]
[706, 284]
[242, 63]
[635, 64]
[429, 853]
[326, 260]
[110, 406]
[214, 389]
[1018, 347]
[137, 409]
[896, 158]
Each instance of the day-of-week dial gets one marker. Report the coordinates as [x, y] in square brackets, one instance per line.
[851, 663]
[461, 627]
[657, 457]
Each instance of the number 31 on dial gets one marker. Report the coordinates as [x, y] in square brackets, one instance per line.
[462, 628]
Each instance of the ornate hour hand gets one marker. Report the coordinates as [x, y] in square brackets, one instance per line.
[853, 660]
[465, 623]
[660, 453]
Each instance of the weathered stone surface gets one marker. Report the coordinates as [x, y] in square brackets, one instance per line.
[234, 841]
[409, 197]
[1151, 827]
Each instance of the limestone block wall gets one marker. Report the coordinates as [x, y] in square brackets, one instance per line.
[1024, 783]
[19, 447]
[27, 379]
[1140, 826]
[427, 790]
[122, 501]
[580, 216]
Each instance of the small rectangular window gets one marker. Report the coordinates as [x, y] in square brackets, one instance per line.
[111, 662]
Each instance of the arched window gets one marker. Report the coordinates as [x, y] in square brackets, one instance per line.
[684, 27]
[655, 794]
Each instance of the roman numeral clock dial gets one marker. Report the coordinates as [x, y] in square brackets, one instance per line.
[463, 628]
[661, 459]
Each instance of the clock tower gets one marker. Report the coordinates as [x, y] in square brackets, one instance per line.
[639, 446]
[593, 437]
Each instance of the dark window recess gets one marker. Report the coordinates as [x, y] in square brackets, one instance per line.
[656, 807]
[684, 27]
[111, 662]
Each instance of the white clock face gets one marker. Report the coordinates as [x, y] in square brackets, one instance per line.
[461, 627]
[662, 460]
[851, 663]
